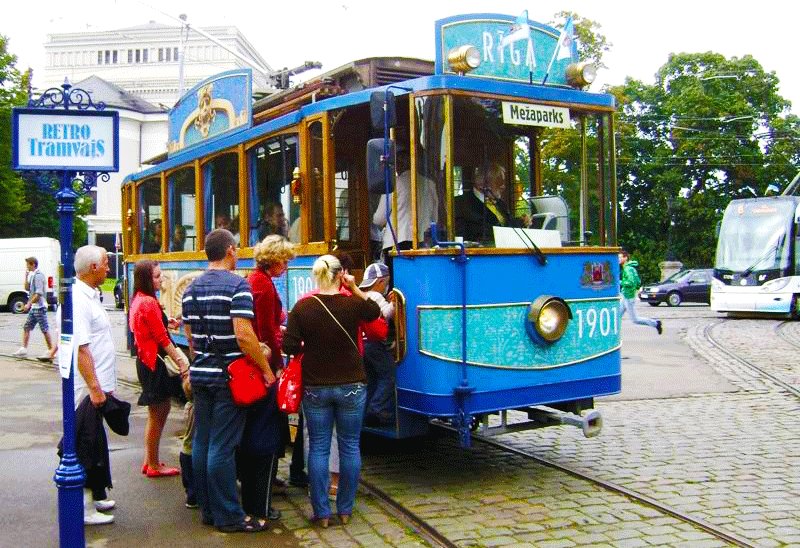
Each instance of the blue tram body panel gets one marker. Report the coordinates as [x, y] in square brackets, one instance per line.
[505, 366]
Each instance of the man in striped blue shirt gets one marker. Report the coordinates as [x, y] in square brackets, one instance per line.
[217, 315]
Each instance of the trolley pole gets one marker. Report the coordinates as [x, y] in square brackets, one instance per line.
[45, 136]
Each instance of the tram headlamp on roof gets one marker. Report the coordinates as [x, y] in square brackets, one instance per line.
[580, 75]
[547, 319]
[464, 59]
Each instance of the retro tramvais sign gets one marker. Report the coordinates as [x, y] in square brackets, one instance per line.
[511, 48]
[215, 107]
[72, 140]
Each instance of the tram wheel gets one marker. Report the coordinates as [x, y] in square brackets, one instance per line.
[794, 311]
[674, 299]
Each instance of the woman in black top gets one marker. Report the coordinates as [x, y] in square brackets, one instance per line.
[325, 328]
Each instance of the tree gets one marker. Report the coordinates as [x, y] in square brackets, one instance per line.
[13, 85]
[28, 194]
[709, 130]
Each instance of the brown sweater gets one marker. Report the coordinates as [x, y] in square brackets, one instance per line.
[329, 358]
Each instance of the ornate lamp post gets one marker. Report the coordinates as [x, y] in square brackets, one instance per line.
[46, 136]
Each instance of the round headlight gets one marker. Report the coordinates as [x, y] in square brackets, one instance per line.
[464, 58]
[581, 74]
[547, 319]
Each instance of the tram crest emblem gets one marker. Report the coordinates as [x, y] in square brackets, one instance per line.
[597, 275]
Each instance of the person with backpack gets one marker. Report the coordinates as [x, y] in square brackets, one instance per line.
[630, 283]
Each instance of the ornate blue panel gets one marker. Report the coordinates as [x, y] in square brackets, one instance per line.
[496, 335]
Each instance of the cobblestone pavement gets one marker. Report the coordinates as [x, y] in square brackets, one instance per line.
[732, 459]
[728, 454]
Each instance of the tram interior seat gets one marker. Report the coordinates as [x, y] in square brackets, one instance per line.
[550, 213]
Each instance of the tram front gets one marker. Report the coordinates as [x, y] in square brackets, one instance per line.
[509, 276]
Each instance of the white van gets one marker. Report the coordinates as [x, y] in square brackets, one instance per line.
[13, 252]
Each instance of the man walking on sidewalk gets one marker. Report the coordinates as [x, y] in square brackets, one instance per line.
[36, 307]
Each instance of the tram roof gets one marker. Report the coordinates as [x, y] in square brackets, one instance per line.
[353, 84]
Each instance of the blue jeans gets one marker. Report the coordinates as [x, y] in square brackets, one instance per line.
[324, 406]
[380, 366]
[629, 305]
[218, 429]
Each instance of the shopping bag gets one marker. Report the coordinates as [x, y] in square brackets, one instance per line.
[290, 386]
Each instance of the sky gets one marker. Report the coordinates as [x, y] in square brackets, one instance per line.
[642, 33]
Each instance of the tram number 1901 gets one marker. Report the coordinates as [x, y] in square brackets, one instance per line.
[594, 322]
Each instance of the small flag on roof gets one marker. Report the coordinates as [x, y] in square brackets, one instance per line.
[565, 40]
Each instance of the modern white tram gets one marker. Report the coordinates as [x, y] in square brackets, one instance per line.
[757, 265]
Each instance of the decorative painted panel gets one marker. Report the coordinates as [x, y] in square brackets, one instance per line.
[496, 334]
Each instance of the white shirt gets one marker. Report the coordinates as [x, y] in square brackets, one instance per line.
[427, 209]
[90, 325]
[387, 308]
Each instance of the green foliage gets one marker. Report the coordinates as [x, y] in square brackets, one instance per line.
[28, 202]
[710, 129]
[13, 85]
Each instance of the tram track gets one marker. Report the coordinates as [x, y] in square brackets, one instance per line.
[630, 494]
[777, 380]
[410, 519]
[784, 331]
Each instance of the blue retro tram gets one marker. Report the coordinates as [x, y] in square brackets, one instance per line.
[515, 311]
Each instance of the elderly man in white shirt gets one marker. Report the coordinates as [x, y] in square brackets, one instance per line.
[95, 372]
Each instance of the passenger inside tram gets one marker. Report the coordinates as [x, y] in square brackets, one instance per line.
[483, 206]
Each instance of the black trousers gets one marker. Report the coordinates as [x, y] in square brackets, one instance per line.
[187, 475]
[257, 474]
[298, 464]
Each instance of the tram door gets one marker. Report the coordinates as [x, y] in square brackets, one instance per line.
[352, 215]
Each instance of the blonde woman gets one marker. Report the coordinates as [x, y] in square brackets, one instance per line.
[266, 429]
[325, 327]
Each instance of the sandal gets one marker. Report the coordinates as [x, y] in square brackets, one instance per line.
[247, 525]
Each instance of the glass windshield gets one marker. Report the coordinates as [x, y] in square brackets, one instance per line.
[754, 236]
[678, 276]
[521, 166]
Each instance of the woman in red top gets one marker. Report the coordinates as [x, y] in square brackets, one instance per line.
[148, 323]
[266, 430]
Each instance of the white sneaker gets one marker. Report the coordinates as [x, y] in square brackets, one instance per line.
[104, 505]
[21, 353]
[96, 518]
[45, 358]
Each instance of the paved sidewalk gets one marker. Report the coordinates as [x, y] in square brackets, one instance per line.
[150, 512]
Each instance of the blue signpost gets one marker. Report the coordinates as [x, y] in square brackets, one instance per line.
[82, 146]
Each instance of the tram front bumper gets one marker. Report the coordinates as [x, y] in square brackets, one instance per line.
[751, 300]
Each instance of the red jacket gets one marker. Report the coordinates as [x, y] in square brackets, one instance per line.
[147, 325]
[268, 309]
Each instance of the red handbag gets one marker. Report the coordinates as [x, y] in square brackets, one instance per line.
[290, 385]
[246, 381]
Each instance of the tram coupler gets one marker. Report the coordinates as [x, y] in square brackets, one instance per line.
[591, 423]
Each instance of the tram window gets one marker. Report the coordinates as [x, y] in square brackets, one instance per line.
[430, 166]
[221, 189]
[182, 224]
[316, 183]
[272, 209]
[347, 221]
[150, 216]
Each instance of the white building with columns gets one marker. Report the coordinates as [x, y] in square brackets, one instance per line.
[138, 71]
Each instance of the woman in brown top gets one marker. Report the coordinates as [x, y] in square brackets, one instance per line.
[324, 327]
